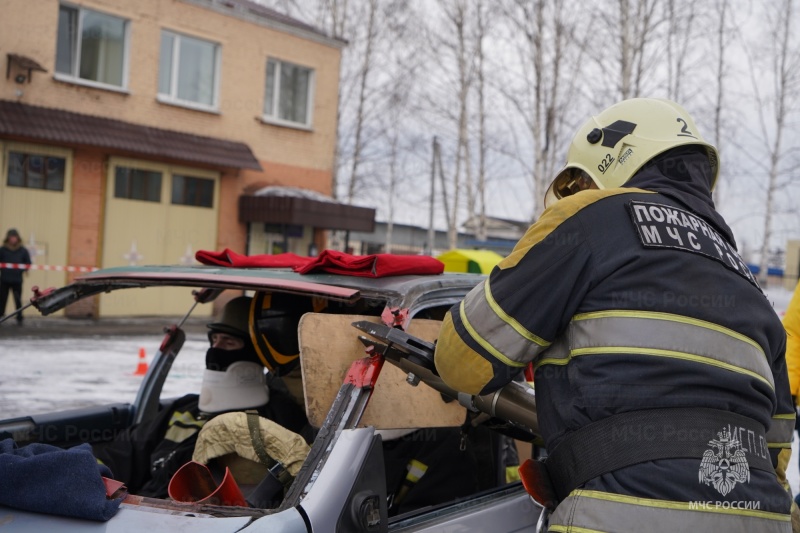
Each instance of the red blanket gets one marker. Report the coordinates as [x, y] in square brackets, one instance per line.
[371, 266]
[229, 258]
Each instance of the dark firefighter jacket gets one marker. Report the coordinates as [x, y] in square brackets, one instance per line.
[632, 299]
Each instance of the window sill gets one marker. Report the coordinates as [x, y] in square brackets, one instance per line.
[88, 83]
[187, 105]
[285, 124]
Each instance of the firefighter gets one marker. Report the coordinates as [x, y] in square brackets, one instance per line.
[661, 384]
[251, 334]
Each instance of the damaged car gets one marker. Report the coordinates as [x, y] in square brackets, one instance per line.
[366, 384]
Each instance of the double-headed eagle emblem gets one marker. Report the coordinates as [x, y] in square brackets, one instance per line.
[725, 464]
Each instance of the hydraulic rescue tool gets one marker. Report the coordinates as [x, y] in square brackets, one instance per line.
[514, 403]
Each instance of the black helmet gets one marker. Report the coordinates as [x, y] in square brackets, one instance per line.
[235, 319]
[274, 318]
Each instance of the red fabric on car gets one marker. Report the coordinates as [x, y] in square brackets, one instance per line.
[371, 266]
[229, 258]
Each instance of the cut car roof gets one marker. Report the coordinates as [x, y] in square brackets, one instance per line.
[396, 291]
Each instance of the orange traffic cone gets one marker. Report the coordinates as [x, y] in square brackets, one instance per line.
[141, 368]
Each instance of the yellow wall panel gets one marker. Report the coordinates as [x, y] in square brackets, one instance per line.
[154, 233]
[40, 216]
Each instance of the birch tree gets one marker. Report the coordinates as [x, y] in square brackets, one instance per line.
[681, 17]
[721, 8]
[446, 103]
[776, 109]
[361, 101]
[550, 54]
[481, 233]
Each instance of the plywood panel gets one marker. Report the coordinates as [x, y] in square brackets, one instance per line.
[329, 344]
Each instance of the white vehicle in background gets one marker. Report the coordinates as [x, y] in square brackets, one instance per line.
[342, 484]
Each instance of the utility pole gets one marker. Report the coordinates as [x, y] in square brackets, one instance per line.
[431, 231]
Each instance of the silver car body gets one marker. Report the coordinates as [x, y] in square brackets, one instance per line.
[341, 477]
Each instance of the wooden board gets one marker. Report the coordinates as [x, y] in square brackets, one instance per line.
[329, 344]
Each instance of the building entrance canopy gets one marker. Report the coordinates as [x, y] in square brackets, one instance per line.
[302, 207]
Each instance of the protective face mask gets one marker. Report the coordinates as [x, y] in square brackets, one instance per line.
[241, 386]
[219, 360]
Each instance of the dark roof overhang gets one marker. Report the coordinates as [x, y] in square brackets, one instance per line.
[305, 212]
[76, 129]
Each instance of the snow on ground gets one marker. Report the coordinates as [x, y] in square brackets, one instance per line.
[44, 375]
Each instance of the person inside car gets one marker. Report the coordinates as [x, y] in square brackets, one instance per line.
[146, 456]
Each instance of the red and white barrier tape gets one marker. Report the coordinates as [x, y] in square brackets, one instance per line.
[57, 268]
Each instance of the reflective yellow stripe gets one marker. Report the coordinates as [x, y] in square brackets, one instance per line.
[519, 328]
[571, 529]
[186, 418]
[672, 318]
[781, 430]
[512, 474]
[611, 350]
[416, 469]
[179, 433]
[682, 506]
[661, 334]
[602, 511]
[484, 319]
[483, 342]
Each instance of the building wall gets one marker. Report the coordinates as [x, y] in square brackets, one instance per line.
[245, 48]
[791, 271]
[86, 226]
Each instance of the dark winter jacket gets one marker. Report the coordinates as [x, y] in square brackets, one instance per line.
[17, 254]
[635, 299]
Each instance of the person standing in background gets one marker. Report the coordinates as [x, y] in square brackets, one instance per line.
[12, 251]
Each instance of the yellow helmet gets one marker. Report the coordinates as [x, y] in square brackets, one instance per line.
[611, 147]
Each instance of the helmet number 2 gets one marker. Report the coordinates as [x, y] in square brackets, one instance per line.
[685, 129]
[605, 163]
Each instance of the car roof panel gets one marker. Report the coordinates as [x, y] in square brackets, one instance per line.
[399, 291]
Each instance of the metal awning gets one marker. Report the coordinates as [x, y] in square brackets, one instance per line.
[25, 63]
[76, 129]
[289, 205]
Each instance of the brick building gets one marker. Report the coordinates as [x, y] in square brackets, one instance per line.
[133, 132]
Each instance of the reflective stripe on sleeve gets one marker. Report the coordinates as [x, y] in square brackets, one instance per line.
[780, 431]
[603, 511]
[510, 342]
[664, 335]
[457, 363]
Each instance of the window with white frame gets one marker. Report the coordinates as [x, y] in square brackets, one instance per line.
[287, 96]
[91, 46]
[188, 70]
